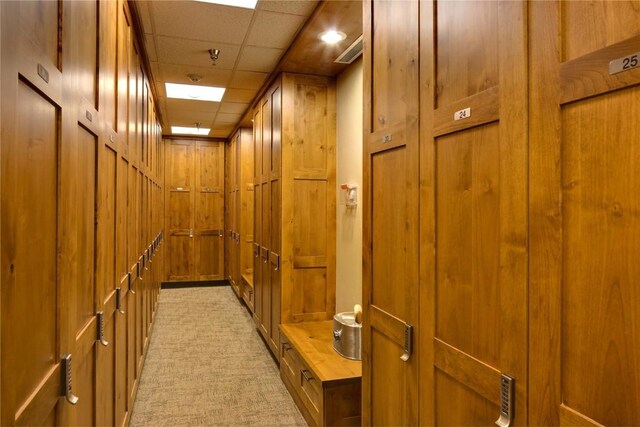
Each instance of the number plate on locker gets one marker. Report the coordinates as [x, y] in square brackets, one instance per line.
[623, 64]
[462, 114]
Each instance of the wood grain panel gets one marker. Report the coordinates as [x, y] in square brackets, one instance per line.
[106, 234]
[86, 210]
[468, 212]
[310, 124]
[29, 253]
[389, 380]
[108, 54]
[601, 234]
[589, 75]
[583, 219]
[38, 22]
[390, 43]
[394, 250]
[86, 26]
[465, 65]
[595, 24]
[478, 411]
[309, 231]
[309, 294]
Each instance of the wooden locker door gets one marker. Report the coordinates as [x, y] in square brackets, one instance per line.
[227, 212]
[32, 296]
[179, 209]
[237, 213]
[257, 216]
[390, 247]
[275, 182]
[209, 211]
[585, 226]
[474, 222]
[265, 326]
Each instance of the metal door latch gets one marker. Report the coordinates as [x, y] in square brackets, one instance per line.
[507, 403]
[100, 318]
[408, 342]
[66, 379]
[119, 301]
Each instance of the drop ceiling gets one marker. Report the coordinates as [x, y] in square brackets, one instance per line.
[254, 45]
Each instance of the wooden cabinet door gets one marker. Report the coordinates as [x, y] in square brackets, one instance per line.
[180, 201]
[38, 238]
[390, 248]
[209, 212]
[257, 218]
[265, 278]
[473, 212]
[275, 183]
[585, 222]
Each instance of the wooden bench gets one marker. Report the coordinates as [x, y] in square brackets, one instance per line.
[325, 386]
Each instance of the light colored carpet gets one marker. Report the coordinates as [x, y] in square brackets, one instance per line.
[207, 366]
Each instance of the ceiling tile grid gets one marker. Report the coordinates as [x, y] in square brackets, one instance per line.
[179, 34]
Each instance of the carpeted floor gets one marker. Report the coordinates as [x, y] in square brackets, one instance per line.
[207, 366]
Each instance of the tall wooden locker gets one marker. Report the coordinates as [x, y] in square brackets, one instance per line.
[294, 193]
[194, 209]
[584, 359]
[473, 123]
[69, 119]
[390, 345]
[239, 213]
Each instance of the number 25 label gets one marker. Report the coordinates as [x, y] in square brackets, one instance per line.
[623, 64]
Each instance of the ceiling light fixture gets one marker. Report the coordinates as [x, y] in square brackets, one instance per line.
[194, 92]
[247, 4]
[332, 36]
[214, 54]
[189, 130]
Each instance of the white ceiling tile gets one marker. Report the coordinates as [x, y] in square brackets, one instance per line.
[247, 80]
[239, 95]
[145, 16]
[189, 52]
[211, 76]
[150, 46]
[190, 117]
[201, 21]
[260, 59]
[262, 31]
[233, 107]
[297, 7]
[227, 119]
[189, 105]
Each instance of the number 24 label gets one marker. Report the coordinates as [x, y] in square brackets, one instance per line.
[623, 64]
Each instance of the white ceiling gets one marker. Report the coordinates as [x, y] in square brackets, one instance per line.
[178, 35]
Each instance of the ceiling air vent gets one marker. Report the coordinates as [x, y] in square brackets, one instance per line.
[351, 53]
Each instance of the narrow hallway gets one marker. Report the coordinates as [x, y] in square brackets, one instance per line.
[206, 365]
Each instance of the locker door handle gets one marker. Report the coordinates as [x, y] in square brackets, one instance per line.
[119, 301]
[100, 317]
[408, 343]
[66, 380]
[191, 232]
[265, 255]
[256, 250]
[507, 404]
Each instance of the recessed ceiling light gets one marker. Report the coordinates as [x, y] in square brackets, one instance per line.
[194, 92]
[189, 131]
[332, 36]
[247, 4]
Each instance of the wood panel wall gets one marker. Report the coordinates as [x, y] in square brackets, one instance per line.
[81, 211]
[528, 212]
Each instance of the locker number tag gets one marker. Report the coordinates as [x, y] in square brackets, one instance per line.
[624, 64]
[462, 114]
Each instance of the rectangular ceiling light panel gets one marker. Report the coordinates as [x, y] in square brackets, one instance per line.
[194, 92]
[189, 131]
[247, 4]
